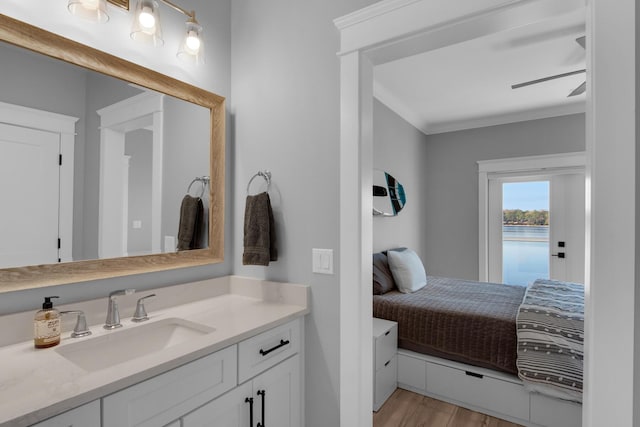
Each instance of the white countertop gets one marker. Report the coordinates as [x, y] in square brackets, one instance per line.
[36, 384]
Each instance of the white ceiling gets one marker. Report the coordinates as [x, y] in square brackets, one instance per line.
[468, 85]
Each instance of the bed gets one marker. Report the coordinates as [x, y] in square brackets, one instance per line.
[509, 333]
[461, 320]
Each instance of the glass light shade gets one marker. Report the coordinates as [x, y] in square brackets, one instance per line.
[146, 23]
[192, 47]
[92, 10]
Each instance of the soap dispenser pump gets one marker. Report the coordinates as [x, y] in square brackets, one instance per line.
[46, 325]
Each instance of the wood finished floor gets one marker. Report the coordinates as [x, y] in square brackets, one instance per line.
[408, 409]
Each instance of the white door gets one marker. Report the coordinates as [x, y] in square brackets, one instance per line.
[520, 250]
[566, 234]
[279, 390]
[229, 410]
[29, 183]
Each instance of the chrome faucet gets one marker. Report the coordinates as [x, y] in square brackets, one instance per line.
[141, 314]
[81, 329]
[113, 316]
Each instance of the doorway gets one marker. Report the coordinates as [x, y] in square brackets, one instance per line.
[125, 127]
[536, 227]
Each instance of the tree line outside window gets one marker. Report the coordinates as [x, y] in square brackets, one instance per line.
[520, 217]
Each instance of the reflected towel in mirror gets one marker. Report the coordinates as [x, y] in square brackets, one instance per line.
[259, 231]
[189, 230]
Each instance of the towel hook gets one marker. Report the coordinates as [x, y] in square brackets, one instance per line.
[264, 174]
[203, 180]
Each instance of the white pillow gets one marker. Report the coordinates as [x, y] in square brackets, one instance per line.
[407, 270]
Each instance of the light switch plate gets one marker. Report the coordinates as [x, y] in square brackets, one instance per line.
[322, 261]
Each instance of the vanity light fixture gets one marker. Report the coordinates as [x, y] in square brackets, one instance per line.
[146, 23]
[146, 26]
[92, 10]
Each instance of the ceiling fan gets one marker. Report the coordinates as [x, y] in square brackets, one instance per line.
[577, 91]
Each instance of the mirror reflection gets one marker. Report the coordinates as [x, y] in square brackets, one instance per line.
[388, 194]
[92, 167]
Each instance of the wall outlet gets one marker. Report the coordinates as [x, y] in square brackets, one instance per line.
[322, 262]
[169, 244]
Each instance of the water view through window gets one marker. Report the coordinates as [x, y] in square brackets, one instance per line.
[525, 232]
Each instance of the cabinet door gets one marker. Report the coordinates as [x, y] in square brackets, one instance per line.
[84, 416]
[281, 397]
[229, 410]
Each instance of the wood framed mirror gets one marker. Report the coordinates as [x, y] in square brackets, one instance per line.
[40, 42]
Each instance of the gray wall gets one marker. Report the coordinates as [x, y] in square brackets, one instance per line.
[451, 214]
[286, 118]
[186, 155]
[400, 149]
[139, 146]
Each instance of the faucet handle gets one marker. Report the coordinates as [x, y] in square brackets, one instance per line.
[141, 314]
[81, 329]
[122, 292]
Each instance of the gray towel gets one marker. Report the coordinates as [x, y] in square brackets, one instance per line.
[190, 227]
[259, 231]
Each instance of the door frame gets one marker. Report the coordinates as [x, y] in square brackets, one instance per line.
[142, 111]
[531, 166]
[391, 29]
[65, 127]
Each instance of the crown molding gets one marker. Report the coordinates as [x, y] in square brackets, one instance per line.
[373, 11]
[385, 97]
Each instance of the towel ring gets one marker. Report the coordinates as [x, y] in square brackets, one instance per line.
[264, 174]
[203, 180]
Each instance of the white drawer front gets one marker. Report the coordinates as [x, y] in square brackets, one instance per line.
[162, 399]
[263, 351]
[386, 346]
[486, 392]
[412, 373]
[385, 382]
[550, 412]
[87, 415]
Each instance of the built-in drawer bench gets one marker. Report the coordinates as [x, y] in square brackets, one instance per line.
[483, 390]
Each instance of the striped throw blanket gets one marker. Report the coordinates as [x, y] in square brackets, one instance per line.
[550, 330]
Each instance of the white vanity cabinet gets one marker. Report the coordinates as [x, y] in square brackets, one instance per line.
[270, 366]
[87, 415]
[206, 392]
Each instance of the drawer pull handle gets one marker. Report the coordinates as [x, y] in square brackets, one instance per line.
[473, 374]
[387, 364]
[387, 333]
[282, 344]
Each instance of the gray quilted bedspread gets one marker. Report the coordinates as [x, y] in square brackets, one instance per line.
[466, 321]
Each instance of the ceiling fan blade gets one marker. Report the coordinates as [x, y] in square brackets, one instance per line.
[582, 41]
[579, 90]
[544, 79]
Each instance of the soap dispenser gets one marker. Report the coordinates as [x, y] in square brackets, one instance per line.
[46, 325]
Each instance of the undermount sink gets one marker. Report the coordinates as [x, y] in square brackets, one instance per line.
[92, 354]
